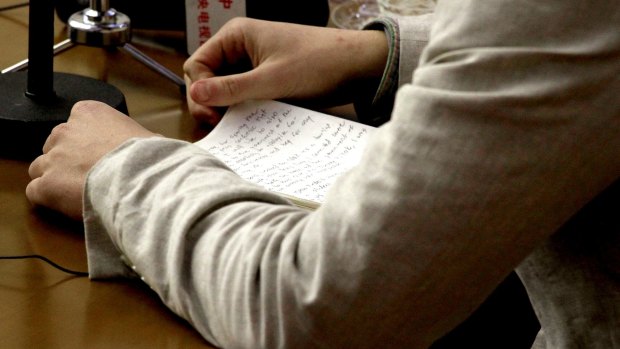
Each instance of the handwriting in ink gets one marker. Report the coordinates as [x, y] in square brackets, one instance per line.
[286, 149]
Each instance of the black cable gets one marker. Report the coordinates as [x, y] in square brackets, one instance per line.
[11, 7]
[36, 256]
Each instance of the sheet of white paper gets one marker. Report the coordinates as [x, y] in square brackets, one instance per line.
[287, 149]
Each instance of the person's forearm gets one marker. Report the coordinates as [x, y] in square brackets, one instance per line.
[477, 167]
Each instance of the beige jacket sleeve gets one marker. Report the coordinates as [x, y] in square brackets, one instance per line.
[510, 126]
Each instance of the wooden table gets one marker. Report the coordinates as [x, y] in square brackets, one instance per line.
[41, 307]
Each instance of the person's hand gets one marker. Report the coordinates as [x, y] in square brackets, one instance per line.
[72, 149]
[254, 59]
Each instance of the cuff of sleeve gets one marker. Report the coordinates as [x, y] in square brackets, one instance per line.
[406, 38]
[105, 260]
[375, 110]
[415, 34]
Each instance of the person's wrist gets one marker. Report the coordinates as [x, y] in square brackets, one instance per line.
[376, 53]
[374, 105]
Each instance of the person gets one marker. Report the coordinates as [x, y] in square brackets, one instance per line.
[505, 133]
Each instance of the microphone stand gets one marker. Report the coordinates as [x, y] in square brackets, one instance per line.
[102, 26]
[34, 102]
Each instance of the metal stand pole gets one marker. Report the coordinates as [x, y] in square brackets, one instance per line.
[33, 103]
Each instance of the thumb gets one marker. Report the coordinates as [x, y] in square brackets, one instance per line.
[231, 89]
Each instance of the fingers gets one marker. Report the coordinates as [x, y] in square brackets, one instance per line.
[53, 136]
[231, 89]
[39, 195]
[224, 50]
[36, 168]
[211, 72]
[36, 191]
[218, 91]
[195, 69]
[32, 192]
[200, 112]
[204, 114]
[55, 188]
[72, 149]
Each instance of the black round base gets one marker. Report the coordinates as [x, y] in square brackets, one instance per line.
[25, 123]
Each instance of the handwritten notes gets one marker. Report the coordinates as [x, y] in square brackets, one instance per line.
[287, 149]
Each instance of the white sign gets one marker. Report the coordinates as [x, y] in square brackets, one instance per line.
[205, 17]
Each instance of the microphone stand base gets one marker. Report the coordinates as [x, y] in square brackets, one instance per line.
[25, 123]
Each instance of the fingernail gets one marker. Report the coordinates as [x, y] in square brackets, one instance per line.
[200, 92]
